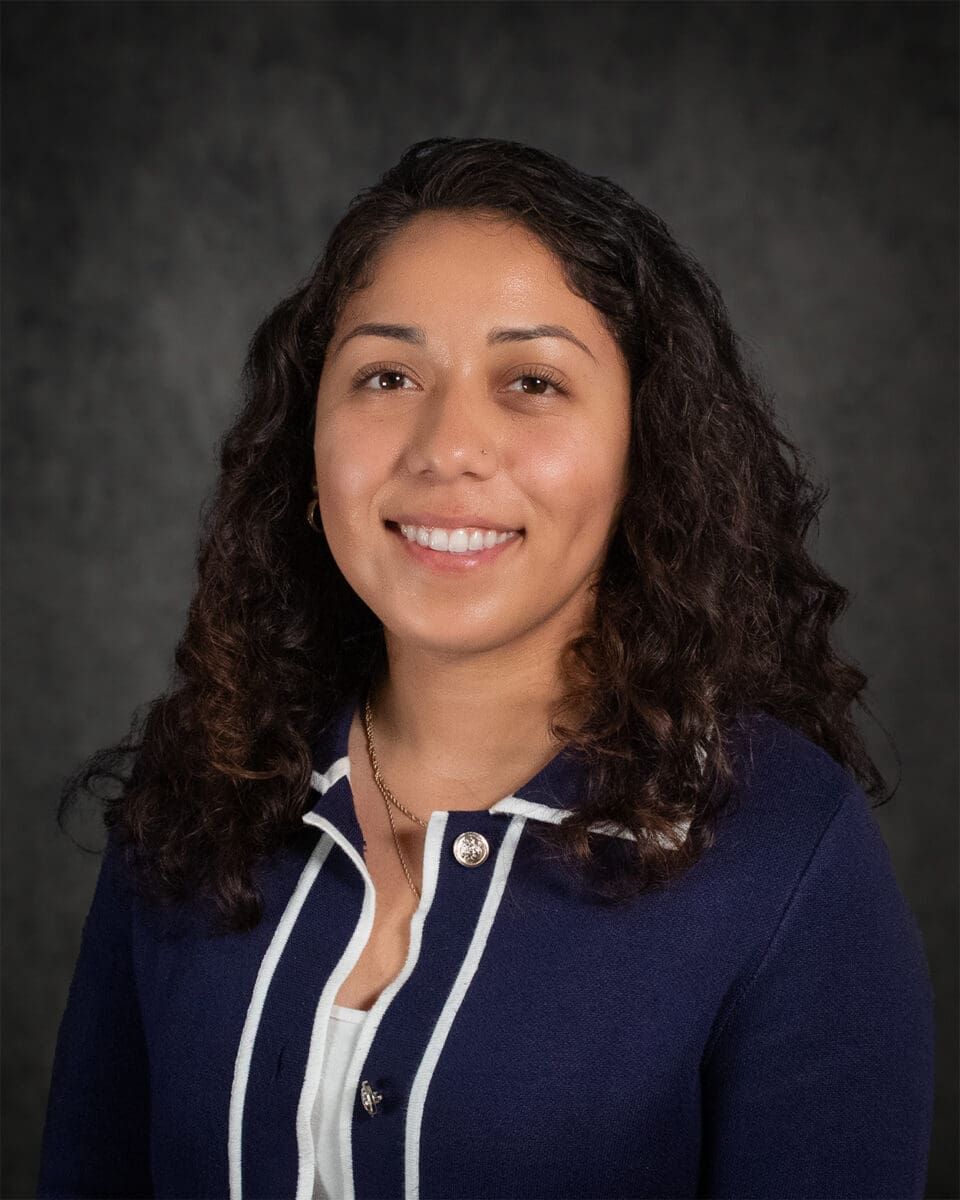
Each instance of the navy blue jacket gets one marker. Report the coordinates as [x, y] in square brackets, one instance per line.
[763, 1027]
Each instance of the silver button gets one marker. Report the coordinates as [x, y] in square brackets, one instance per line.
[471, 849]
[369, 1098]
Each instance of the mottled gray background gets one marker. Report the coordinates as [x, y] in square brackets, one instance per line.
[171, 170]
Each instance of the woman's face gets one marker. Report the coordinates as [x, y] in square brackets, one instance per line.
[443, 407]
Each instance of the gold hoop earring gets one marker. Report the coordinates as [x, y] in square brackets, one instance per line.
[312, 509]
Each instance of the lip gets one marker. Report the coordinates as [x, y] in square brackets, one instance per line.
[445, 562]
[432, 520]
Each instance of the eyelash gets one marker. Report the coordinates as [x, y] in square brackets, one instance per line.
[544, 373]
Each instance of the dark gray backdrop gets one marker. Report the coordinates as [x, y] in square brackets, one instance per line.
[171, 170]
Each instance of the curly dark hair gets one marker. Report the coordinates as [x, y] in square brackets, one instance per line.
[707, 606]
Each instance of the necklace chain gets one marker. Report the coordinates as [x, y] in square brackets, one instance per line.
[388, 796]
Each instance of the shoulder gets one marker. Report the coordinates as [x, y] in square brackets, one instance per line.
[783, 780]
[800, 860]
[777, 762]
[790, 802]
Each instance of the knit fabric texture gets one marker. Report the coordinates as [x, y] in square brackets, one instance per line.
[762, 1027]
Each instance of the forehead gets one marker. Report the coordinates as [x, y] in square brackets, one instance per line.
[449, 265]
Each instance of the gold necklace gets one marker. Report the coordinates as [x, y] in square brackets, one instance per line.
[388, 796]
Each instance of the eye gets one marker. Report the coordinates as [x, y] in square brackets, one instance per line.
[381, 372]
[535, 380]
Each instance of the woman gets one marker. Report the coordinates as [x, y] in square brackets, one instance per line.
[505, 832]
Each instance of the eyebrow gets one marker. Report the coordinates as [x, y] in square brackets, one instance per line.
[415, 336]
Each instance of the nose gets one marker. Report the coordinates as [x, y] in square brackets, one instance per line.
[452, 436]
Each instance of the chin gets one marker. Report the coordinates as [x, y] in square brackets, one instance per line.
[455, 638]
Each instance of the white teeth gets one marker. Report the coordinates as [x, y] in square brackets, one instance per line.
[455, 541]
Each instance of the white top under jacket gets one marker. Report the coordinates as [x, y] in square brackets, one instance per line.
[343, 1029]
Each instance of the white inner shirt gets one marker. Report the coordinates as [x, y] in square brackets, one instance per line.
[343, 1029]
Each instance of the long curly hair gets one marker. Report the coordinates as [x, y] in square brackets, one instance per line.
[707, 605]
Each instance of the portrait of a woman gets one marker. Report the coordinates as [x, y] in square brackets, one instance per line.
[505, 831]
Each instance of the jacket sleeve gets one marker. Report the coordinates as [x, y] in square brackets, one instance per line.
[96, 1134]
[819, 1081]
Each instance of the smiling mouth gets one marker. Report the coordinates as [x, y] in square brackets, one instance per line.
[454, 546]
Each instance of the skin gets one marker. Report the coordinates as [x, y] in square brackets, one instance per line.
[461, 719]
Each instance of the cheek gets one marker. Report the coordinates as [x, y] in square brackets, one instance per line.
[579, 479]
[349, 470]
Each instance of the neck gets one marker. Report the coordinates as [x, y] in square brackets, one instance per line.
[464, 725]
